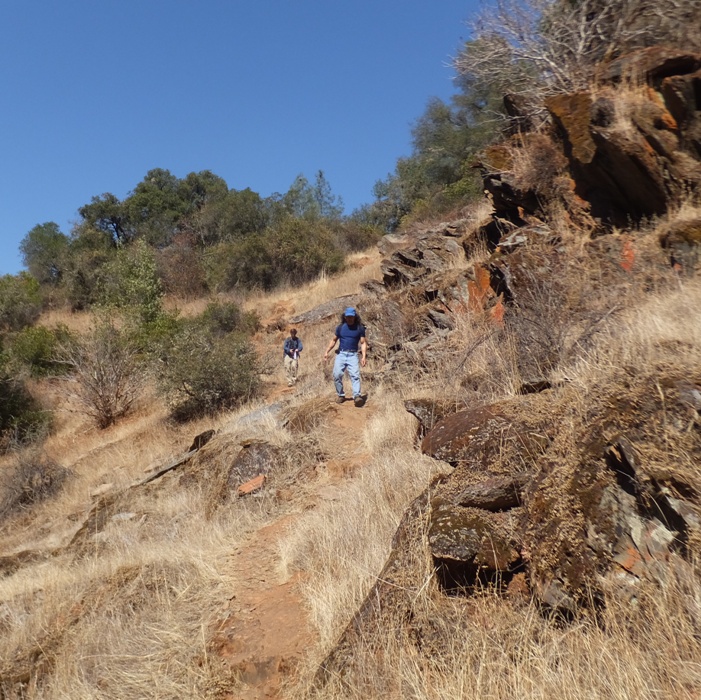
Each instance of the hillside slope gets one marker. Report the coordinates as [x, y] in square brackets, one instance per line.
[515, 511]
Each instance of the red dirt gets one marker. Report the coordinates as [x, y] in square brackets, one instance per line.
[266, 630]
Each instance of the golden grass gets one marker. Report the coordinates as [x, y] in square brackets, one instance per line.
[132, 624]
[290, 300]
[503, 651]
[664, 325]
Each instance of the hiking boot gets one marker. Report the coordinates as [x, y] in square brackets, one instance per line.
[340, 399]
[359, 401]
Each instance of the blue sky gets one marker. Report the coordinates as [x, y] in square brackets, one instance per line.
[98, 92]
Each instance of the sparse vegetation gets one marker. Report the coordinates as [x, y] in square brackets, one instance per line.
[33, 478]
[106, 377]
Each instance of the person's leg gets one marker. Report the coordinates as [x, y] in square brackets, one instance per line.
[353, 367]
[288, 370]
[339, 367]
[294, 366]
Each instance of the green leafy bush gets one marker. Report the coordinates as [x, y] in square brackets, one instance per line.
[221, 318]
[20, 301]
[36, 349]
[295, 250]
[22, 420]
[204, 373]
[132, 283]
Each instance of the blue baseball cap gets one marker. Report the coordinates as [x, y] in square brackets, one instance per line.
[350, 311]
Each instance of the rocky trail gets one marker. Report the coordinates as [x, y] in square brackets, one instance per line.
[265, 631]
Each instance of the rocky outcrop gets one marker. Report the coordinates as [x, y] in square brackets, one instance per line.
[570, 505]
[633, 165]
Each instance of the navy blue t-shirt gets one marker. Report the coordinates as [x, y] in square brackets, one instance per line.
[349, 337]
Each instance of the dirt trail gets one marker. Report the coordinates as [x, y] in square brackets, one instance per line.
[266, 630]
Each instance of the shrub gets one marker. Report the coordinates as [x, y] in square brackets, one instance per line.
[36, 349]
[295, 250]
[34, 479]
[132, 283]
[221, 318]
[150, 337]
[357, 235]
[20, 301]
[22, 420]
[180, 269]
[204, 373]
[106, 376]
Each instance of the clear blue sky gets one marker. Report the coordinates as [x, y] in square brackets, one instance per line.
[95, 93]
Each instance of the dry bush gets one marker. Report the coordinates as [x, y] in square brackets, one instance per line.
[33, 478]
[537, 164]
[541, 47]
[180, 269]
[106, 378]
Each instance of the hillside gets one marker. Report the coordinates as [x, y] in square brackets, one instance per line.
[516, 510]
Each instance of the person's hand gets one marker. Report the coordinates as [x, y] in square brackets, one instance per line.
[326, 355]
[362, 362]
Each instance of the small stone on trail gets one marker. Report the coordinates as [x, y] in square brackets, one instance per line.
[252, 485]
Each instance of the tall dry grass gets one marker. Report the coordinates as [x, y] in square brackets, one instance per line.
[342, 544]
[497, 650]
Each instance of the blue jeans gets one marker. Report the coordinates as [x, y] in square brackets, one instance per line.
[347, 360]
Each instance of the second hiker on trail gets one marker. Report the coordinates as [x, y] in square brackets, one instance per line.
[291, 349]
[351, 336]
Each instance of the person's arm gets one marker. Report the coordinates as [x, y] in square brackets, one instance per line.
[363, 351]
[330, 348]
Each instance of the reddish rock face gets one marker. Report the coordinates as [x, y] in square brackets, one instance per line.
[479, 439]
[639, 169]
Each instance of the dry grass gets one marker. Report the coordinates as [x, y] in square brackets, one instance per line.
[76, 629]
[342, 544]
[664, 326]
[287, 300]
[75, 321]
[501, 651]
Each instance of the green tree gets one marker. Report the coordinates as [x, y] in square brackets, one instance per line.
[107, 214]
[132, 284]
[199, 189]
[44, 250]
[156, 206]
[240, 213]
[328, 205]
[306, 201]
[438, 174]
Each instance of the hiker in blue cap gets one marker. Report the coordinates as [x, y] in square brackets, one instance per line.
[351, 336]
